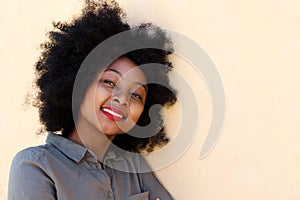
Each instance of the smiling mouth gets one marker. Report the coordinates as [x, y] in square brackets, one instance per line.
[113, 113]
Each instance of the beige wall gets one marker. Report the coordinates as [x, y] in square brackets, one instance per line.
[254, 45]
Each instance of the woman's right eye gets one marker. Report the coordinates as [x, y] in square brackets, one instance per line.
[109, 83]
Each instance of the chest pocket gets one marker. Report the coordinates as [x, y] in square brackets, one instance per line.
[140, 196]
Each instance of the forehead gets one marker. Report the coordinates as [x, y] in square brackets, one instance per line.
[127, 69]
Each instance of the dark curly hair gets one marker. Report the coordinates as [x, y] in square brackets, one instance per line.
[68, 45]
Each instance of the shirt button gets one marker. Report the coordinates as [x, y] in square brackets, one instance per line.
[109, 194]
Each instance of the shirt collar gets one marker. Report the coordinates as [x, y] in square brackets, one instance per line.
[74, 151]
[112, 155]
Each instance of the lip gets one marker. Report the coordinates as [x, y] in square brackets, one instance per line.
[113, 113]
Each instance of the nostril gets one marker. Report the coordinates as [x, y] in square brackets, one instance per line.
[123, 100]
[116, 100]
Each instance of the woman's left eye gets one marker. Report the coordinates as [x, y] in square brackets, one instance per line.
[137, 96]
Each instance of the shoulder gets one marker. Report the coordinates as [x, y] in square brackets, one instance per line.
[29, 176]
[32, 152]
[32, 161]
[31, 155]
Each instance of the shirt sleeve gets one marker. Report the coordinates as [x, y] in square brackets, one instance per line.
[28, 179]
[151, 183]
[155, 188]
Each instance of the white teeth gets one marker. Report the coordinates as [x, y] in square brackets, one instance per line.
[112, 112]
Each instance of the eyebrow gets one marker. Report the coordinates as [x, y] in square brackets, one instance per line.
[120, 74]
[110, 69]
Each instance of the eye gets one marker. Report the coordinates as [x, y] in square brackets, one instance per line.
[109, 83]
[136, 96]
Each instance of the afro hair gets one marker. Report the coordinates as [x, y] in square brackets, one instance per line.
[65, 49]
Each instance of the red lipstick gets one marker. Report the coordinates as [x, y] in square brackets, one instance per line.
[113, 113]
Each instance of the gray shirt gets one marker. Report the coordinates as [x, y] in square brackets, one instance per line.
[64, 170]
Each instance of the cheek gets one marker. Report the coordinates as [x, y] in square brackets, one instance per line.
[86, 107]
[136, 111]
[101, 95]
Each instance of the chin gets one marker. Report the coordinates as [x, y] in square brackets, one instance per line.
[110, 132]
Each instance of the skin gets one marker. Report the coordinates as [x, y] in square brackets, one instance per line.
[119, 88]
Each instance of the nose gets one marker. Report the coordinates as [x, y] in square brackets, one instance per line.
[121, 99]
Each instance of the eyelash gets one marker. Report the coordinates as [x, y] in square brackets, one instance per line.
[136, 96]
[111, 84]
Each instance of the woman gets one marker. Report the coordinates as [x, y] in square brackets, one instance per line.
[90, 151]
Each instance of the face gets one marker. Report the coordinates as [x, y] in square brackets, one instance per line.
[115, 101]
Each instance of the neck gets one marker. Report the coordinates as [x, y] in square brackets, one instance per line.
[92, 139]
